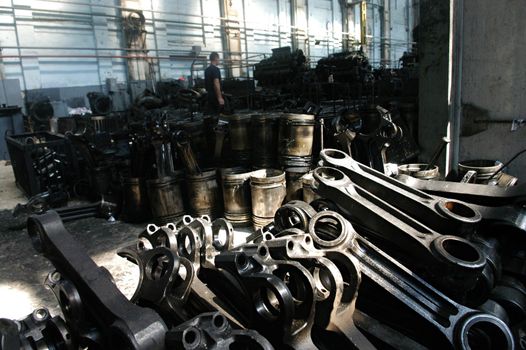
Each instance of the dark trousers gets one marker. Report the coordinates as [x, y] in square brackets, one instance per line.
[213, 107]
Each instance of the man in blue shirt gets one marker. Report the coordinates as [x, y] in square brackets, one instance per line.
[213, 85]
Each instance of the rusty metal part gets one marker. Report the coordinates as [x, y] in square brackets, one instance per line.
[506, 180]
[220, 132]
[165, 198]
[453, 264]
[268, 190]
[469, 177]
[294, 214]
[185, 151]
[264, 139]
[238, 128]
[213, 331]
[296, 135]
[294, 183]
[483, 167]
[472, 193]
[121, 322]
[419, 170]
[307, 181]
[443, 215]
[203, 193]
[135, 207]
[236, 195]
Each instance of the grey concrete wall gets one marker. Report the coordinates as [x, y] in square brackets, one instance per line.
[433, 50]
[494, 80]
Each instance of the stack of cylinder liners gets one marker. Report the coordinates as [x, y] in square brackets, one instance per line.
[296, 138]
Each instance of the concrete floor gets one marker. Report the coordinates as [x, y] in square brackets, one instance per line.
[10, 195]
[23, 270]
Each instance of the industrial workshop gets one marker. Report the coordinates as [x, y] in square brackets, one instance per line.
[262, 174]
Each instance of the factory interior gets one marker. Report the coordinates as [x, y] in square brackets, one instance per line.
[262, 174]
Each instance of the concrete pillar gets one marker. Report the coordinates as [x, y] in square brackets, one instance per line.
[346, 12]
[434, 70]
[232, 15]
[135, 39]
[299, 15]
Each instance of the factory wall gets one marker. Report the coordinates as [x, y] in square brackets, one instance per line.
[37, 35]
[389, 29]
[493, 76]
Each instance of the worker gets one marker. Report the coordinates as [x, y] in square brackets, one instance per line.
[216, 102]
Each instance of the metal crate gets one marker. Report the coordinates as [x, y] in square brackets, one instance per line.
[42, 160]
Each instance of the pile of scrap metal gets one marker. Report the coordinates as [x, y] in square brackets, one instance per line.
[206, 166]
[283, 70]
[172, 162]
[344, 75]
[372, 263]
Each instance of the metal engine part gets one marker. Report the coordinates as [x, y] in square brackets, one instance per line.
[451, 263]
[89, 296]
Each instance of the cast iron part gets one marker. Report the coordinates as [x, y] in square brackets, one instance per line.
[460, 326]
[283, 315]
[37, 330]
[170, 259]
[122, 323]
[453, 264]
[294, 214]
[213, 331]
[335, 272]
[472, 193]
[445, 216]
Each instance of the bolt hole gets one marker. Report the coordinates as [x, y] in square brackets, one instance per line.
[219, 321]
[262, 251]
[460, 250]
[40, 314]
[487, 335]
[459, 209]
[330, 174]
[335, 154]
[190, 337]
[241, 260]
